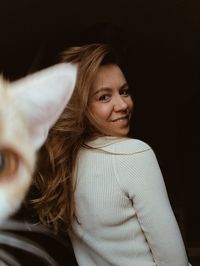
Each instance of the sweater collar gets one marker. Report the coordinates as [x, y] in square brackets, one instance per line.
[104, 141]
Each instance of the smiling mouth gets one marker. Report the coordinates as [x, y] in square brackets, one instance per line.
[121, 118]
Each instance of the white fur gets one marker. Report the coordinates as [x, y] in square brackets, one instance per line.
[28, 109]
[43, 96]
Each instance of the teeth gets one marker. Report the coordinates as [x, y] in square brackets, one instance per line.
[120, 119]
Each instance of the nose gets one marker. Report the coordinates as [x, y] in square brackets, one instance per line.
[120, 104]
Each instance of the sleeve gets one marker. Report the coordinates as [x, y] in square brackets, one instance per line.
[145, 186]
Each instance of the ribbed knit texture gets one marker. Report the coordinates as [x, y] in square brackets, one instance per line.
[124, 214]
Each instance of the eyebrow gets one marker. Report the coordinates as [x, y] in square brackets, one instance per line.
[107, 89]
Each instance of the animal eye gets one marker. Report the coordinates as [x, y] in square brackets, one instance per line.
[9, 162]
[104, 97]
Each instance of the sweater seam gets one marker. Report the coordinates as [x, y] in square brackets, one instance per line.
[122, 188]
[115, 172]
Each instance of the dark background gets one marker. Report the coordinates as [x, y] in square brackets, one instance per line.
[162, 39]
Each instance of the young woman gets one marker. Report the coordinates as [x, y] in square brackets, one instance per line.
[106, 189]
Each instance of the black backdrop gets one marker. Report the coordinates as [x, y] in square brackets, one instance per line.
[163, 42]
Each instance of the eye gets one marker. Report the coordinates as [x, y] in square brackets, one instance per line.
[9, 162]
[104, 97]
[125, 92]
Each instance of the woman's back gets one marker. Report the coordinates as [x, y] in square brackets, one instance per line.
[116, 223]
[119, 211]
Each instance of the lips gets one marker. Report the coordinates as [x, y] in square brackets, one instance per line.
[121, 118]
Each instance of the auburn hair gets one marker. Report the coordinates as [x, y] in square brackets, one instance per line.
[55, 177]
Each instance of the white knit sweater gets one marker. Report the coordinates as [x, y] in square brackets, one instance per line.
[125, 218]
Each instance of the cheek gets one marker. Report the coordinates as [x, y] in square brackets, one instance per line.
[102, 111]
[130, 103]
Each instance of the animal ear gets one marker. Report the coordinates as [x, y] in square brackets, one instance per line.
[41, 98]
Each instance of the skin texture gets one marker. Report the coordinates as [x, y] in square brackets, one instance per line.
[110, 101]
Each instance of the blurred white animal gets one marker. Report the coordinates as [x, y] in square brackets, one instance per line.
[28, 109]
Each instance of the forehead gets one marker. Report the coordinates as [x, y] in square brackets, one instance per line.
[108, 76]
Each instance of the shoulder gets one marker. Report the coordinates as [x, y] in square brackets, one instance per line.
[135, 165]
[135, 155]
[118, 145]
[130, 146]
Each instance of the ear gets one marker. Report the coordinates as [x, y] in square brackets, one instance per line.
[41, 98]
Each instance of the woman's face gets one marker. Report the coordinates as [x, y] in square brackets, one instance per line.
[110, 102]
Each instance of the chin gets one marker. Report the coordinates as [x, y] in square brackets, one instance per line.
[123, 133]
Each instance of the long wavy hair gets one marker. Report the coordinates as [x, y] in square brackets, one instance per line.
[55, 176]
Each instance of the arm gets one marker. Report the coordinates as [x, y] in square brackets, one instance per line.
[146, 188]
